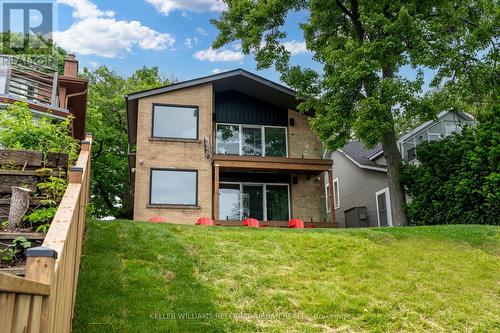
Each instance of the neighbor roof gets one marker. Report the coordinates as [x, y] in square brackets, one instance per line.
[463, 115]
[360, 155]
[238, 79]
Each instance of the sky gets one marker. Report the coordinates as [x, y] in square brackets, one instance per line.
[174, 35]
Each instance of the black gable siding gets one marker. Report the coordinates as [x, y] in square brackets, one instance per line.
[235, 107]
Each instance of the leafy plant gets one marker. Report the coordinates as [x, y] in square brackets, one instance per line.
[53, 188]
[457, 180]
[21, 130]
[4, 224]
[43, 228]
[42, 215]
[19, 245]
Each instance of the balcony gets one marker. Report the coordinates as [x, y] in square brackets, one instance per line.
[26, 81]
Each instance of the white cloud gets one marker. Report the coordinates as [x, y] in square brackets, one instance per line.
[166, 6]
[219, 55]
[98, 32]
[295, 47]
[216, 70]
[85, 8]
[93, 64]
[202, 31]
[188, 42]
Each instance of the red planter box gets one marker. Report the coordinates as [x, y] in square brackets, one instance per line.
[296, 224]
[205, 221]
[250, 222]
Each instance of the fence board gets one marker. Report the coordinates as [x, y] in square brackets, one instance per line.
[7, 302]
[15, 284]
[21, 313]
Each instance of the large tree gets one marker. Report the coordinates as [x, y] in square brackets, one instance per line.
[362, 46]
[107, 120]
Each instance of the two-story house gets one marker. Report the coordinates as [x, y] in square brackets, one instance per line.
[226, 146]
[46, 92]
[360, 185]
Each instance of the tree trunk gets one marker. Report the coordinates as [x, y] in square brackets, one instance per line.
[396, 190]
[19, 204]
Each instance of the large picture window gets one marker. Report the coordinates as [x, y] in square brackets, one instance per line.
[251, 140]
[175, 122]
[174, 187]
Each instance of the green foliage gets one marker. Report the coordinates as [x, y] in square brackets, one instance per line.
[107, 120]
[42, 215]
[11, 253]
[458, 178]
[22, 130]
[4, 225]
[53, 189]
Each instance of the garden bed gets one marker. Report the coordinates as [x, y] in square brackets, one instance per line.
[28, 169]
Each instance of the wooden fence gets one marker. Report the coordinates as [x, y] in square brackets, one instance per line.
[44, 300]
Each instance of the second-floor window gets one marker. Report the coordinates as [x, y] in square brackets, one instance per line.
[251, 140]
[175, 122]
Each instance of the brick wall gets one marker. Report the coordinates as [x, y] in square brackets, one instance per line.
[308, 195]
[308, 199]
[302, 142]
[178, 155]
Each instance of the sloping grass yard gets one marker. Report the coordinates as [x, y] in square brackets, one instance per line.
[141, 277]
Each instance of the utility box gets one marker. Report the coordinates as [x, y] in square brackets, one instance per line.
[356, 217]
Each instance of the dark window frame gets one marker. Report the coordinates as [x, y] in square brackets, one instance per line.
[177, 106]
[151, 170]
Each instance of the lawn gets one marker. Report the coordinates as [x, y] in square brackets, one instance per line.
[142, 277]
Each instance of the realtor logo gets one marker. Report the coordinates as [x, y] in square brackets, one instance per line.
[27, 26]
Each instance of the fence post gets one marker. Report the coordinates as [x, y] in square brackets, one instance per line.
[40, 266]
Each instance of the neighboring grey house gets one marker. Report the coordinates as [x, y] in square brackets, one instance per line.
[360, 176]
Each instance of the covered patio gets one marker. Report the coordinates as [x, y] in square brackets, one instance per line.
[266, 180]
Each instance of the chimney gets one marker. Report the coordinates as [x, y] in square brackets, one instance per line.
[71, 65]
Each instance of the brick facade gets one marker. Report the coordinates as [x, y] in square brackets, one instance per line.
[307, 196]
[175, 155]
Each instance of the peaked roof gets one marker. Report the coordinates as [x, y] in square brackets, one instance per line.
[360, 155]
[238, 79]
[463, 115]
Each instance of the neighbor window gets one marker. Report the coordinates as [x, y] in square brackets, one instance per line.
[178, 122]
[174, 187]
[251, 140]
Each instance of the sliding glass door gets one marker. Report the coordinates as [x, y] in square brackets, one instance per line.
[253, 202]
[229, 202]
[277, 204]
[265, 202]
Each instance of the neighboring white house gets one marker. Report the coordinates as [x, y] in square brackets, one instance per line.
[360, 174]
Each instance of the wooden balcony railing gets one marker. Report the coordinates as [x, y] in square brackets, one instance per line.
[44, 300]
[28, 81]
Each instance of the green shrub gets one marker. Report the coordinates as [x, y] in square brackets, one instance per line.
[22, 130]
[14, 250]
[458, 179]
